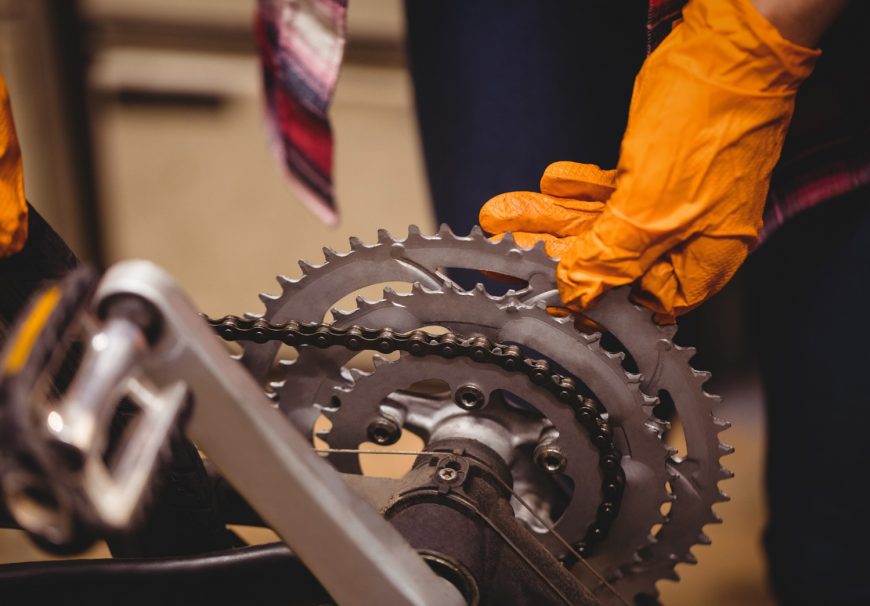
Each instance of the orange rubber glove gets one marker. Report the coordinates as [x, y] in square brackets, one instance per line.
[708, 117]
[13, 207]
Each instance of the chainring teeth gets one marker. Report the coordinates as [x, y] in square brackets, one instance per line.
[536, 267]
[384, 250]
[666, 570]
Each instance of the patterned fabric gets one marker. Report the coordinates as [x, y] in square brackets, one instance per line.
[301, 45]
[661, 16]
[818, 175]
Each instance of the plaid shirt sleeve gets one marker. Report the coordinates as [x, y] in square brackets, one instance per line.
[301, 45]
[661, 17]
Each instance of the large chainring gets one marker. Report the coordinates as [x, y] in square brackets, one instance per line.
[503, 320]
[692, 478]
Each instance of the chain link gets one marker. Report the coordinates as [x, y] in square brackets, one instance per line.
[452, 345]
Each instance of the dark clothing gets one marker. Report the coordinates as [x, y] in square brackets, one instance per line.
[504, 89]
[44, 259]
[810, 285]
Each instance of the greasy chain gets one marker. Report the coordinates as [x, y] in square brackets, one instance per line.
[452, 345]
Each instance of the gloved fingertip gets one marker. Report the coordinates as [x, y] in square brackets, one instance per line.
[578, 170]
[663, 309]
[581, 322]
[577, 295]
[664, 319]
[558, 312]
[584, 324]
[486, 215]
[528, 240]
[500, 208]
[578, 181]
[535, 213]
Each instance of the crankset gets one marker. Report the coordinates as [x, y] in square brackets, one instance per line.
[625, 383]
[540, 445]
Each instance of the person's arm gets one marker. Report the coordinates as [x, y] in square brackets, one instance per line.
[801, 21]
[31, 252]
[709, 114]
[13, 208]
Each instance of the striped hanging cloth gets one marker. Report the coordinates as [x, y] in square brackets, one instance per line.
[301, 44]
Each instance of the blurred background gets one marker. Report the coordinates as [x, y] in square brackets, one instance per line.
[143, 133]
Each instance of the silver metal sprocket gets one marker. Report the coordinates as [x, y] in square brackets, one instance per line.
[664, 366]
[507, 320]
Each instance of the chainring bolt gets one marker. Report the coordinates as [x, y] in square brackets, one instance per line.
[550, 457]
[469, 397]
[384, 431]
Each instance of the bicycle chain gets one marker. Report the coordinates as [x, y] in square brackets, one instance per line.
[451, 345]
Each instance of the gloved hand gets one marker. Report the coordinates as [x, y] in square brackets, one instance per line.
[708, 116]
[13, 207]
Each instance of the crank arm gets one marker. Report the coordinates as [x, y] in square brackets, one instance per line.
[357, 556]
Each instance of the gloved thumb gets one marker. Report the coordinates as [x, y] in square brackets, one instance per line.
[578, 181]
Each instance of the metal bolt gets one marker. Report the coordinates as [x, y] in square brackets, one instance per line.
[447, 474]
[469, 397]
[550, 457]
[384, 431]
